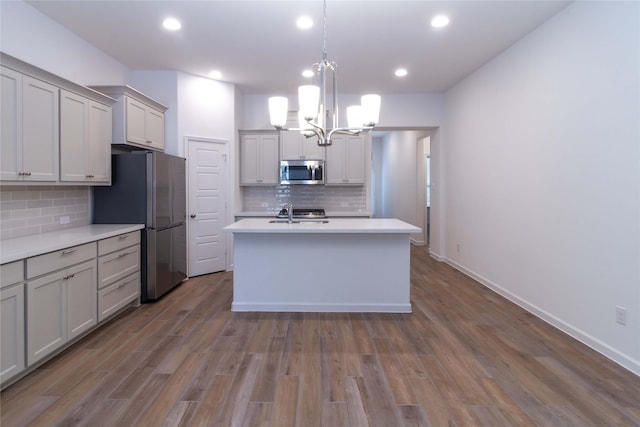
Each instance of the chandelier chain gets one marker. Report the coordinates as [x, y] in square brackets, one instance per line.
[324, 30]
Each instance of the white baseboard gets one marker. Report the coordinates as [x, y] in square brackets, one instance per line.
[436, 256]
[324, 308]
[606, 350]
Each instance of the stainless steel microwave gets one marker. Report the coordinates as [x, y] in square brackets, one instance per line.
[302, 172]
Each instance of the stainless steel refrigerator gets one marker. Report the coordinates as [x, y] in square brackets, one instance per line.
[149, 188]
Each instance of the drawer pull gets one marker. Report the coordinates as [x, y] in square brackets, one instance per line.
[124, 236]
[69, 276]
[123, 284]
[124, 254]
[68, 251]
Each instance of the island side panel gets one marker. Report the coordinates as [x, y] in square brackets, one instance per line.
[321, 272]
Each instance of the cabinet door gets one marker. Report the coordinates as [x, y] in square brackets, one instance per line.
[99, 142]
[295, 146]
[136, 117]
[291, 145]
[10, 124]
[311, 150]
[46, 315]
[346, 160]
[269, 160]
[82, 298]
[259, 159]
[155, 128]
[355, 160]
[11, 332]
[249, 173]
[74, 122]
[335, 161]
[40, 125]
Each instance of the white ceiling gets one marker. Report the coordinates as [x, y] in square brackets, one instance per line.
[257, 45]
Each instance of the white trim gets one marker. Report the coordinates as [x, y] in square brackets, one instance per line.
[323, 308]
[611, 353]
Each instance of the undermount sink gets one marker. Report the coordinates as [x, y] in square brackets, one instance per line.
[299, 221]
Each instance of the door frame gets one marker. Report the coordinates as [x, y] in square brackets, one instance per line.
[228, 189]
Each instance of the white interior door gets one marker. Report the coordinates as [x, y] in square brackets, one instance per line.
[207, 172]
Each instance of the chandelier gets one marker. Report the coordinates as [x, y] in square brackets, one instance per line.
[312, 103]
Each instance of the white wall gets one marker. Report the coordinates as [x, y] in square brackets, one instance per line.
[398, 180]
[542, 174]
[34, 38]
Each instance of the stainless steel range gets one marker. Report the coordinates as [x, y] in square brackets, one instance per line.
[298, 213]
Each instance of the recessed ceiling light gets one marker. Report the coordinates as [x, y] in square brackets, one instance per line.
[401, 72]
[439, 21]
[304, 23]
[215, 74]
[171, 24]
[308, 73]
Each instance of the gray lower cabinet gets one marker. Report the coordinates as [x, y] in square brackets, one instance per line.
[61, 298]
[50, 300]
[118, 273]
[12, 345]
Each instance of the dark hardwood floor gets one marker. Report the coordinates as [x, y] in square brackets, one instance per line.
[464, 357]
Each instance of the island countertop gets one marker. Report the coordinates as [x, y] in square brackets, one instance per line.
[326, 226]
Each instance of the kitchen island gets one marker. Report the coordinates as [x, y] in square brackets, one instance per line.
[333, 265]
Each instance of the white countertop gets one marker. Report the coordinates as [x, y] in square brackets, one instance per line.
[334, 225]
[28, 246]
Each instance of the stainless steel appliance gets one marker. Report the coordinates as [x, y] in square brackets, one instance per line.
[301, 172]
[149, 188]
[300, 213]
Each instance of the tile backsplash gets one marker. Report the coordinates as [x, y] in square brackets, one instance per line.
[28, 210]
[331, 199]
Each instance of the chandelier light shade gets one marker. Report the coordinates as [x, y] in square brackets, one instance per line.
[312, 104]
[308, 99]
[370, 109]
[278, 107]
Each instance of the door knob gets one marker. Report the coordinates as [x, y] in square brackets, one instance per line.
[192, 215]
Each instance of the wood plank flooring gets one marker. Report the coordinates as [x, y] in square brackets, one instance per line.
[464, 357]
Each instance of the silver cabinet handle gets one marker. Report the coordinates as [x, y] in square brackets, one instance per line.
[124, 236]
[68, 251]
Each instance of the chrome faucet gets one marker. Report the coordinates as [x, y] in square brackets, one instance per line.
[290, 212]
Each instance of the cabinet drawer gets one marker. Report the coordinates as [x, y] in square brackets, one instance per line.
[53, 261]
[11, 273]
[117, 265]
[114, 297]
[118, 242]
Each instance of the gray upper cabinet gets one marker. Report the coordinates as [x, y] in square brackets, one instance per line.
[85, 139]
[53, 131]
[30, 117]
[137, 119]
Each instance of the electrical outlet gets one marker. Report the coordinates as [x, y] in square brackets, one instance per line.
[64, 219]
[621, 315]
